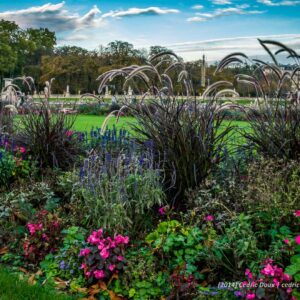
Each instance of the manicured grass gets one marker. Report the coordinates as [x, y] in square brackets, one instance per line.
[12, 288]
[87, 122]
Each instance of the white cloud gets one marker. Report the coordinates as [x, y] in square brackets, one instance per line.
[221, 12]
[139, 11]
[279, 3]
[216, 49]
[54, 17]
[58, 18]
[198, 6]
[221, 2]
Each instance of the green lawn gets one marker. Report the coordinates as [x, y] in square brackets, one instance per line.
[12, 288]
[86, 122]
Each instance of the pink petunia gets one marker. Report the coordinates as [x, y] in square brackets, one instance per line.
[297, 239]
[99, 274]
[209, 218]
[83, 266]
[286, 241]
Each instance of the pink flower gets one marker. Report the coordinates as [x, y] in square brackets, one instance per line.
[120, 258]
[69, 133]
[31, 228]
[286, 241]
[85, 252]
[55, 224]
[268, 270]
[162, 211]
[99, 274]
[297, 213]
[289, 290]
[22, 149]
[297, 239]
[100, 246]
[112, 267]
[93, 238]
[286, 277]
[276, 282]
[39, 226]
[88, 274]
[209, 218]
[250, 296]
[104, 253]
[119, 239]
[83, 266]
[249, 274]
[45, 237]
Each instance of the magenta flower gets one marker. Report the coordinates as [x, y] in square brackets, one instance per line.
[162, 211]
[268, 270]
[297, 213]
[83, 266]
[31, 228]
[104, 253]
[297, 239]
[120, 258]
[87, 274]
[23, 150]
[112, 267]
[69, 133]
[286, 241]
[99, 274]
[209, 218]
[276, 282]
[250, 296]
[248, 274]
[85, 252]
[119, 239]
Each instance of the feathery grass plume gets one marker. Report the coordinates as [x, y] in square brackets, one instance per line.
[275, 118]
[188, 137]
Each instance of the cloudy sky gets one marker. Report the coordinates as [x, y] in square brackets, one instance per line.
[215, 27]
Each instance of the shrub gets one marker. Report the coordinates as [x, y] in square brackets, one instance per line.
[188, 140]
[49, 138]
[14, 165]
[66, 264]
[120, 191]
[141, 278]
[187, 137]
[44, 237]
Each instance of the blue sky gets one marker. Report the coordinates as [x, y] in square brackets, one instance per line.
[215, 27]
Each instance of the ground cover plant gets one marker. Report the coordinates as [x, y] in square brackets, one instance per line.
[169, 198]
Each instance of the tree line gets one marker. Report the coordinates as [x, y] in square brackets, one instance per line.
[33, 52]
